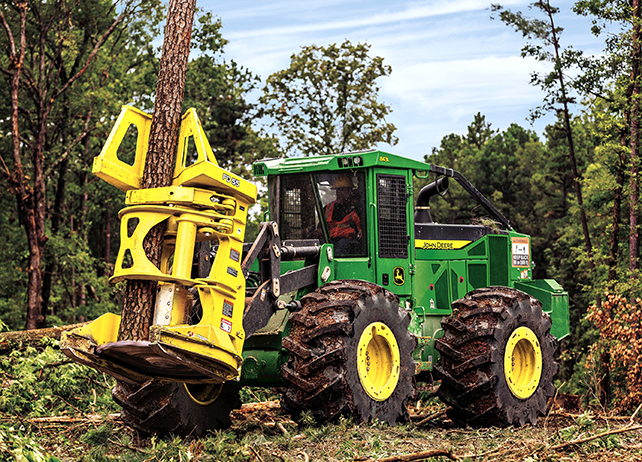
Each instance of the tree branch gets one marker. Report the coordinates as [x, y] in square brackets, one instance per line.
[94, 52]
[86, 130]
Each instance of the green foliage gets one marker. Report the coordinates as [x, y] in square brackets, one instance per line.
[257, 394]
[82, 224]
[83, 74]
[326, 102]
[15, 445]
[44, 382]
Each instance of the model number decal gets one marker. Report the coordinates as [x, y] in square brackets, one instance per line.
[234, 181]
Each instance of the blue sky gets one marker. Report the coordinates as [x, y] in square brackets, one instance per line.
[449, 59]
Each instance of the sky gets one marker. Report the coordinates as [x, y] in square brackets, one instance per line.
[449, 59]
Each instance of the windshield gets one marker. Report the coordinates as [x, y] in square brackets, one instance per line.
[328, 207]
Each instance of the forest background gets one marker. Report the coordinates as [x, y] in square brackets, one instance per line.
[68, 67]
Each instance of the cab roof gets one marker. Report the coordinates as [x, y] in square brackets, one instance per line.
[343, 161]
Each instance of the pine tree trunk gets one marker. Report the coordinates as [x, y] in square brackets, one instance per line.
[634, 246]
[614, 239]
[571, 145]
[138, 308]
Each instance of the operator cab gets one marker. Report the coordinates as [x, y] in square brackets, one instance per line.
[328, 207]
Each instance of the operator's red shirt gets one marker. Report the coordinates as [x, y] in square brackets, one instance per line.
[347, 227]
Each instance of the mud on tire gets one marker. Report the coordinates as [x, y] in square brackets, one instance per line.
[168, 408]
[474, 381]
[322, 372]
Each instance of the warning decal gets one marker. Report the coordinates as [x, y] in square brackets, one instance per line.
[228, 308]
[235, 255]
[521, 252]
[226, 325]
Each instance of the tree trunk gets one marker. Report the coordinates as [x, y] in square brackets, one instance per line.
[138, 308]
[107, 219]
[634, 246]
[614, 239]
[56, 216]
[25, 197]
[33, 337]
[571, 145]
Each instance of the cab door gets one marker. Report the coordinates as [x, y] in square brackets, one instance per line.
[394, 265]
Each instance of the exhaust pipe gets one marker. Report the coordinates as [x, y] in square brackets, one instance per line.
[422, 208]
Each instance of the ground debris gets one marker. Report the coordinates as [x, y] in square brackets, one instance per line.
[267, 414]
[262, 431]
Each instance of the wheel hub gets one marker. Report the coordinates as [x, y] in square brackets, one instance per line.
[523, 362]
[204, 394]
[378, 361]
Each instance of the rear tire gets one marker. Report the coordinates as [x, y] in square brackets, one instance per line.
[488, 328]
[175, 408]
[350, 353]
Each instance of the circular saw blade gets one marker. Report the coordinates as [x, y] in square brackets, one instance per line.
[144, 358]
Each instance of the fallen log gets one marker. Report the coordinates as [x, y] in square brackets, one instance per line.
[248, 408]
[433, 416]
[415, 456]
[32, 337]
[89, 418]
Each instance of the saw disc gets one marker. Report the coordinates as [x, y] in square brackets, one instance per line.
[147, 358]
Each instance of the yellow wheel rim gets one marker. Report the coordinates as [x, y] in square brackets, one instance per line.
[204, 394]
[523, 362]
[378, 361]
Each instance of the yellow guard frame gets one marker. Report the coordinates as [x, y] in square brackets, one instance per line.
[204, 202]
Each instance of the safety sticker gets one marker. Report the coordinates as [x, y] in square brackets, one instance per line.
[228, 308]
[226, 325]
[192, 334]
[235, 255]
[521, 252]
[232, 271]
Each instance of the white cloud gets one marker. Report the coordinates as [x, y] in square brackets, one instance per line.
[315, 17]
[449, 59]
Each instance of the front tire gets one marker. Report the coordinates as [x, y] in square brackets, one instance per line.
[164, 408]
[497, 359]
[350, 353]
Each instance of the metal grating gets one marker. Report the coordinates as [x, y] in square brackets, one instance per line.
[297, 207]
[498, 256]
[291, 211]
[391, 213]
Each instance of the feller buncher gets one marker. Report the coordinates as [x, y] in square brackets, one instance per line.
[348, 296]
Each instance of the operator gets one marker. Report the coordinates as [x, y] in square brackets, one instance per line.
[343, 222]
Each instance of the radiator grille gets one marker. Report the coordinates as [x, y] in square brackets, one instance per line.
[498, 256]
[391, 213]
